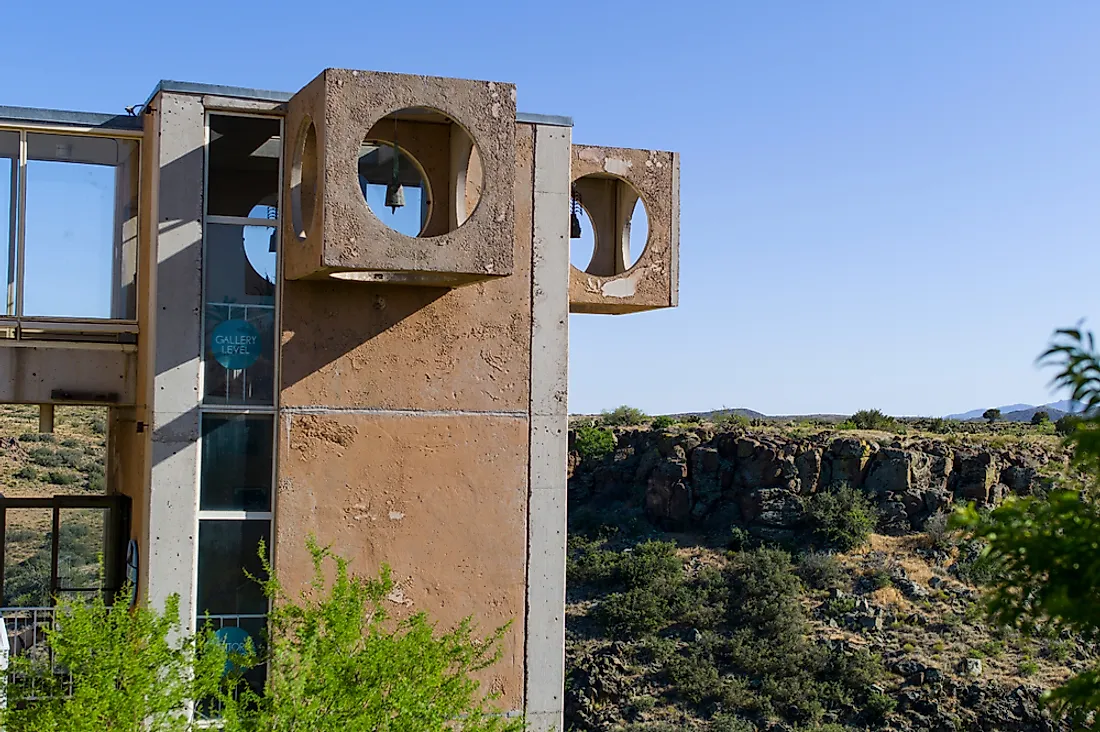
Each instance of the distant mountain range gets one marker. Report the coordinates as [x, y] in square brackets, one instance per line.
[1024, 412]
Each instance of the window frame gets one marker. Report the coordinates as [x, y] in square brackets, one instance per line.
[12, 317]
[242, 409]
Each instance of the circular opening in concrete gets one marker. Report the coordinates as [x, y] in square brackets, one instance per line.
[419, 172]
[614, 225]
[303, 179]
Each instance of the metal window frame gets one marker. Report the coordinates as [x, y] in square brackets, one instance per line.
[17, 239]
[242, 409]
[119, 516]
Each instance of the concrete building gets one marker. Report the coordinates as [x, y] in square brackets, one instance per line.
[340, 312]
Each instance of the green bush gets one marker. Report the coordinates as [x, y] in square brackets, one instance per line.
[624, 416]
[841, 516]
[46, 457]
[691, 419]
[879, 705]
[1040, 417]
[821, 571]
[336, 661]
[662, 422]
[872, 419]
[636, 612]
[27, 472]
[99, 426]
[70, 442]
[729, 419]
[1067, 424]
[724, 722]
[61, 477]
[593, 443]
[131, 671]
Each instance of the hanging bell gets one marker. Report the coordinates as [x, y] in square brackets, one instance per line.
[574, 226]
[395, 196]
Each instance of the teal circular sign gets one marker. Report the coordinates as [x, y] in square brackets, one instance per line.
[236, 344]
[236, 643]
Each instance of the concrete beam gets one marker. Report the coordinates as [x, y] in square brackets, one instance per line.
[30, 375]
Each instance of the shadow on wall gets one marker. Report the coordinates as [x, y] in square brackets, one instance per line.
[325, 320]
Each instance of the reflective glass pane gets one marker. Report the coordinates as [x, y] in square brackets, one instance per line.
[81, 226]
[227, 549]
[81, 544]
[28, 550]
[236, 462]
[240, 270]
[244, 165]
[9, 164]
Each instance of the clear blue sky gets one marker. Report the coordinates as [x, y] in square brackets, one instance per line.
[883, 204]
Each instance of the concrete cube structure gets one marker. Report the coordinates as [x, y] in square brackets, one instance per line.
[293, 362]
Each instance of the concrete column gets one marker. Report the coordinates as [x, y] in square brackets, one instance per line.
[545, 653]
[45, 418]
[177, 329]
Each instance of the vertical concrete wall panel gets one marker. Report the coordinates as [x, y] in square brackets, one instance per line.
[549, 425]
[178, 348]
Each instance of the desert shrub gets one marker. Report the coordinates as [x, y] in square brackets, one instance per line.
[637, 611]
[846, 425]
[71, 458]
[821, 571]
[729, 419]
[724, 722]
[27, 472]
[739, 538]
[938, 531]
[872, 419]
[974, 565]
[841, 516]
[1066, 424]
[337, 661]
[1040, 417]
[593, 443]
[879, 705]
[162, 669]
[97, 483]
[650, 581]
[662, 422]
[30, 437]
[99, 426]
[70, 442]
[691, 419]
[1028, 668]
[45, 457]
[695, 676]
[705, 599]
[624, 416]
[61, 477]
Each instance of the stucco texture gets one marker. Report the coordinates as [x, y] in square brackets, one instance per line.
[652, 282]
[442, 500]
[342, 235]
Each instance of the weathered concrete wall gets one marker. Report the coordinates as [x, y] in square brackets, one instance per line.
[404, 433]
[174, 332]
[653, 281]
[343, 235]
[29, 375]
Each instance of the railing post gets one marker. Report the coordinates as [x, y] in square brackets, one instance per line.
[5, 649]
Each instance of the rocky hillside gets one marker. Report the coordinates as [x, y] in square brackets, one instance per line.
[795, 579]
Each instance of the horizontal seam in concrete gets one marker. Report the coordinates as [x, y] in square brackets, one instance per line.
[403, 412]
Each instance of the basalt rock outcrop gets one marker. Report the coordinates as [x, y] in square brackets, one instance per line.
[698, 479]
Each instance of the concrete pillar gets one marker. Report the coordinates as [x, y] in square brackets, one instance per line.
[176, 324]
[545, 653]
[45, 418]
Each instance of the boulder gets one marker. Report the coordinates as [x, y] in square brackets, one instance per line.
[772, 507]
[668, 499]
[808, 465]
[974, 476]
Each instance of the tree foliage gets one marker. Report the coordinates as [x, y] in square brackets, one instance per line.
[1042, 551]
[593, 443]
[872, 419]
[624, 416]
[131, 671]
[1040, 417]
[337, 661]
[991, 415]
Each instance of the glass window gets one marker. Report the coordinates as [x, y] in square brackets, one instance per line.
[9, 167]
[244, 164]
[81, 208]
[28, 551]
[227, 550]
[240, 314]
[236, 462]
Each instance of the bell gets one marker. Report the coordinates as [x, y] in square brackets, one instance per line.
[395, 196]
[574, 226]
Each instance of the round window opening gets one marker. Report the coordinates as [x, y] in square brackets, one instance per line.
[609, 226]
[419, 172]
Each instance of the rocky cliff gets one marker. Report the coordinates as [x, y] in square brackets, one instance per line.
[700, 597]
